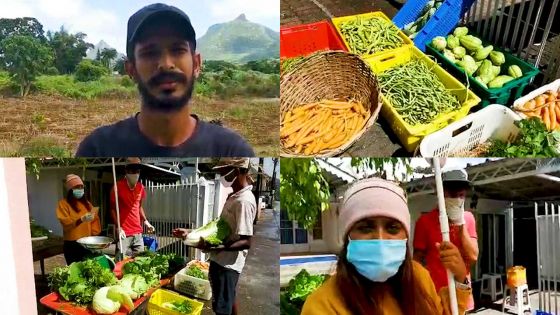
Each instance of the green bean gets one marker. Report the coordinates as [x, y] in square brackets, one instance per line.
[366, 36]
[416, 92]
[288, 64]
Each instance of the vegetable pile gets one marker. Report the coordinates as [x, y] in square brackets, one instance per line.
[79, 281]
[183, 307]
[288, 64]
[152, 267]
[196, 271]
[321, 126]
[533, 140]
[299, 288]
[413, 28]
[416, 92]
[214, 233]
[546, 107]
[482, 63]
[366, 36]
[37, 230]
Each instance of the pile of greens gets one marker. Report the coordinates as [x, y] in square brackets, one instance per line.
[299, 288]
[152, 267]
[533, 140]
[195, 271]
[79, 281]
[182, 307]
[37, 230]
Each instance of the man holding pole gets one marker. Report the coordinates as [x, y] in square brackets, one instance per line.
[131, 194]
[462, 230]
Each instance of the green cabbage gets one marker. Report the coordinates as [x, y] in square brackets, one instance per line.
[214, 233]
[121, 295]
[136, 285]
[103, 304]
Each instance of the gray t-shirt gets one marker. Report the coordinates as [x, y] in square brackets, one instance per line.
[239, 212]
[124, 138]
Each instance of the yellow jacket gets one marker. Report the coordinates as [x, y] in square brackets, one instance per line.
[68, 218]
[327, 300]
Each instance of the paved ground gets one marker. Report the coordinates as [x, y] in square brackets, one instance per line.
[259, 285]
[496, 308]
[379, 140]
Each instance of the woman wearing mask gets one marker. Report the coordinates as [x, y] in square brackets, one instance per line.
[375, 272]
[78, 218]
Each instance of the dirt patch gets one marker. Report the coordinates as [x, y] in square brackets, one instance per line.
[61, 123]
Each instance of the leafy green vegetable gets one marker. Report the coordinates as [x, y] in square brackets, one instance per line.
[302, 285]
[79, 281]
[37, 230]
[102, 304]
[214, 233]
[195, 271]
[534, 140]
[183, 307]
[136, 285]
[152, 267]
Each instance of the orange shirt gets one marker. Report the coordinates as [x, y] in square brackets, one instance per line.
[327, 299]
[68, 218]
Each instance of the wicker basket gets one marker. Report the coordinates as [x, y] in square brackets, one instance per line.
[330, 75]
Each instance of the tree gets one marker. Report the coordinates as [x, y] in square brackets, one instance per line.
[26, 58]
[69, 49]
[89, 70]
[305, 192]
[119, 66]
[20, 26]
[106, 56]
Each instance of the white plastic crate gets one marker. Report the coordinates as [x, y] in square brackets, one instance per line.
[554, 86]
[492, 122]
[196, 287]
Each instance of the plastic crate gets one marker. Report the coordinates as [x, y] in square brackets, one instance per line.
[161, 296]
[442, 22]
[339, 20]
[492, 122]
[303, 40]
[198, 288]
[504, 95]
[410, 136]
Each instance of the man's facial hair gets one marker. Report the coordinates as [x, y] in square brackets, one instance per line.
[168, 104]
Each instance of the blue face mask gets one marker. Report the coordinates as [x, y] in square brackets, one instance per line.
[78, 193]
[377, 260]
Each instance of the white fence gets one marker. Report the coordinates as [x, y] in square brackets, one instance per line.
[189, 203]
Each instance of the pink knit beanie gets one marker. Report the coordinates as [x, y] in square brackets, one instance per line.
[72, 181]
[374, 197]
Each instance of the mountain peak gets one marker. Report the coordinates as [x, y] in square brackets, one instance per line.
[242, 17]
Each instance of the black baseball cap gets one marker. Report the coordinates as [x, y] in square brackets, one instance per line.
[138, 19]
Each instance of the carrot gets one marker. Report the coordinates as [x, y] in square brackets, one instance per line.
[553, 123]
[546, 118]
[298, 149]
[540, 100]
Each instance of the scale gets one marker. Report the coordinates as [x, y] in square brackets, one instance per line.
[96, 244]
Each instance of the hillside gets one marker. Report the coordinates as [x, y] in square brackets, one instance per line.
[239, 41]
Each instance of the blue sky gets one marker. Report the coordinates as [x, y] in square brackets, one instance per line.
[106, 19]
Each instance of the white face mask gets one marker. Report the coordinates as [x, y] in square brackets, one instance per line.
[226, 183]
[455, 208]
[132, 179]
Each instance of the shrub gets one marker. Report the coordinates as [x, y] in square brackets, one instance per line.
[89, 70]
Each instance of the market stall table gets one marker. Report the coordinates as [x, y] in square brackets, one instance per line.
[44, 249]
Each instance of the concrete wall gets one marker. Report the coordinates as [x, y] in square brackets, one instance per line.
[18, 285]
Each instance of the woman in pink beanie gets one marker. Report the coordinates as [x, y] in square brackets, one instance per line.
[375, 271]
[78, 218]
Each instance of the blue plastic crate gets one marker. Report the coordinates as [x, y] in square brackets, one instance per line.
[444, 20]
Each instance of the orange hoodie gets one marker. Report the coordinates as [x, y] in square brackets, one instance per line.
[327, 300]
[68, 218]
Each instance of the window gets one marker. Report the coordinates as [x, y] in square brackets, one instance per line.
[318, 228]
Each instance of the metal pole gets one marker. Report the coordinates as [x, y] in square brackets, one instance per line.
[118, 210]
[538, 253]
[547, 255]
[444, 225]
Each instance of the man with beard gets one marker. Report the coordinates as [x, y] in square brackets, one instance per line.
[162, 59]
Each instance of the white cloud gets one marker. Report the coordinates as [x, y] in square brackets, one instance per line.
[254, 9]
[15, 10]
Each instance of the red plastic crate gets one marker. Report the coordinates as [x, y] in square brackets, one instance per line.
[303, 40]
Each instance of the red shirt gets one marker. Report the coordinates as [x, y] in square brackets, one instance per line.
[130, 201]
[427, 233]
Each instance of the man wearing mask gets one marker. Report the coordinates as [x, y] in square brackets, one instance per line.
[163, 61]
[131, 195]
[239, 211]
[462, 230]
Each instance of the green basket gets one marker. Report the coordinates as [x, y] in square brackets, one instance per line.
[505, 95]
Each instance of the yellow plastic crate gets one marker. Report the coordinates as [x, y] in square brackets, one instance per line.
[409, 135]
[161, 296]
[339, 20]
